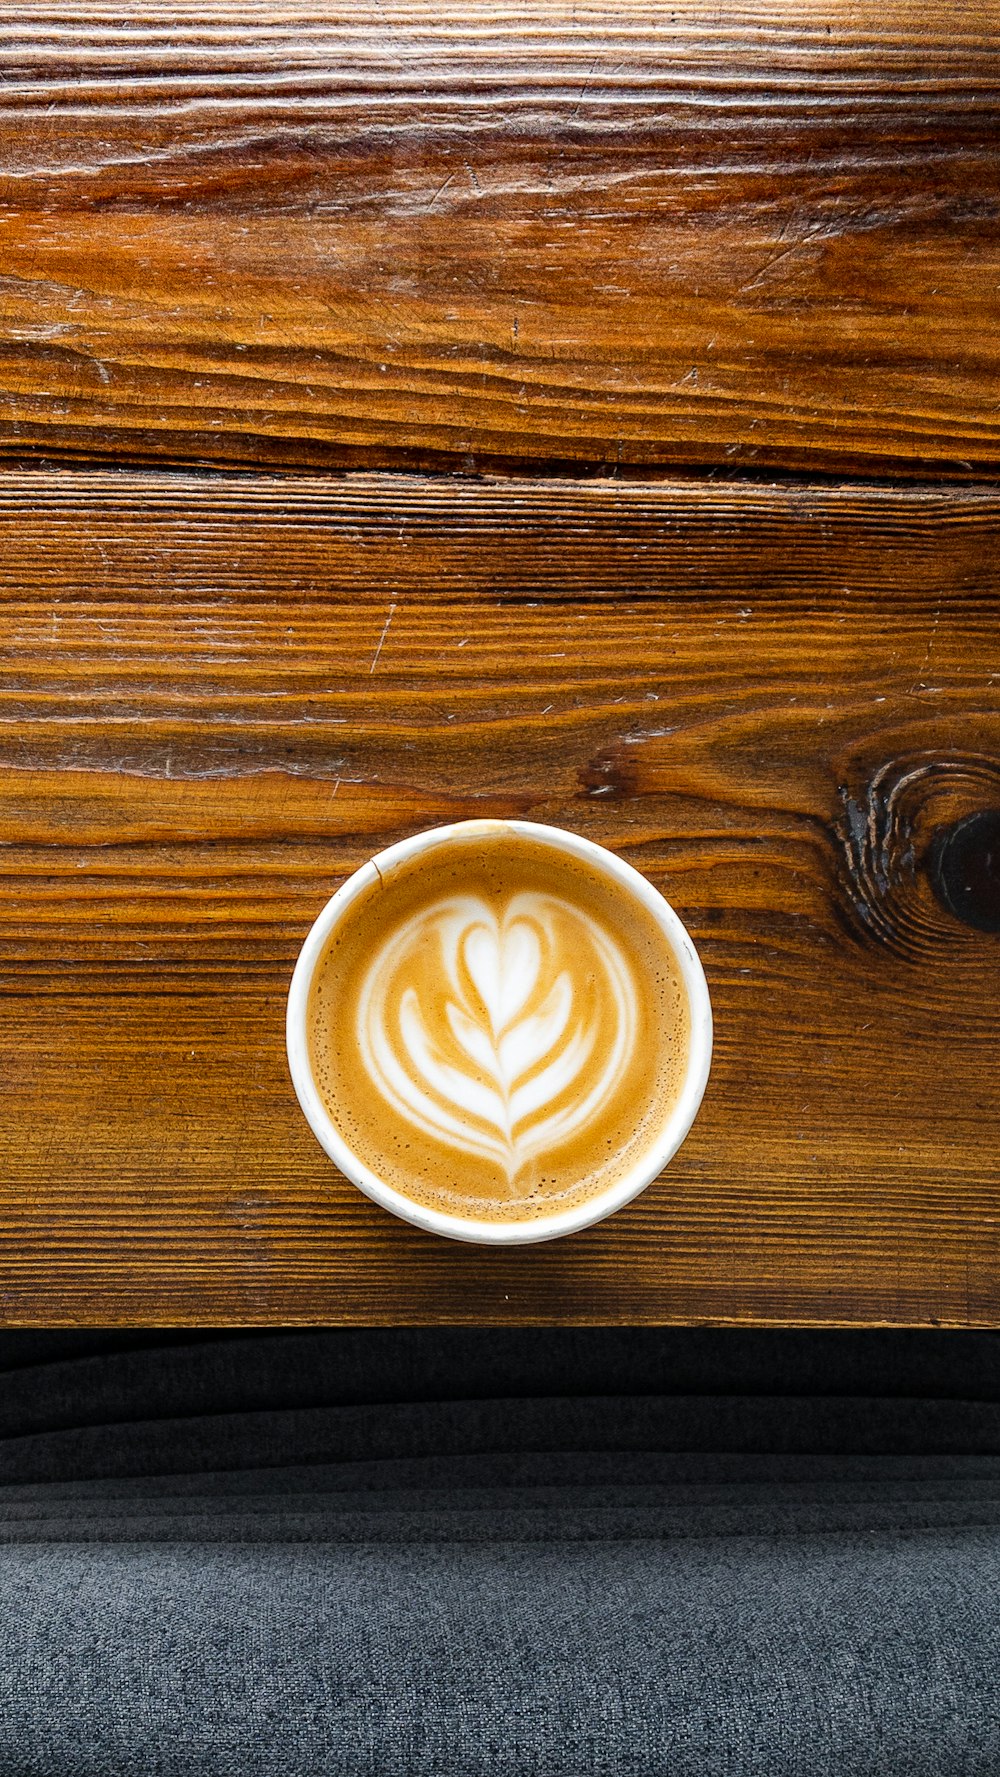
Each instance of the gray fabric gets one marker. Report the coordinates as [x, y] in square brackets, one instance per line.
[833, 1655]
[474, 1555]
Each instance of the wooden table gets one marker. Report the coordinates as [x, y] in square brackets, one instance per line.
[585, 413]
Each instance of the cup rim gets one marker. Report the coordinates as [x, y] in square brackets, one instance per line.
[468, 1228]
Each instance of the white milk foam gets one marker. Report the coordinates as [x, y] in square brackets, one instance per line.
[498, 1031]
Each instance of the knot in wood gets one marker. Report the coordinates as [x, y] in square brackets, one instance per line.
[920, 851]
[965, 869]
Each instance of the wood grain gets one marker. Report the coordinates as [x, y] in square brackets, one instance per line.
[219, 695]
[400, 234]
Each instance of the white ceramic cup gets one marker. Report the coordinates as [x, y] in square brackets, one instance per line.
[581, 1215]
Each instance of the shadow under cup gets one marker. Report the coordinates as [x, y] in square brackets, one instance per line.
[440, 859]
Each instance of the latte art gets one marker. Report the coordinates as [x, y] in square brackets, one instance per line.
[499, 1032]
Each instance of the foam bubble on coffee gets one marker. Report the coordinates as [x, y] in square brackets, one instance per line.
[498, 1031]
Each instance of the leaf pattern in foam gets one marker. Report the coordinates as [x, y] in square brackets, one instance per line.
[498, 1031]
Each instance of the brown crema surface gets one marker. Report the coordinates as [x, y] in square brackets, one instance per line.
[498, 1030]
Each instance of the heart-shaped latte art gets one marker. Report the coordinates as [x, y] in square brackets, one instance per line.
[498, 1032]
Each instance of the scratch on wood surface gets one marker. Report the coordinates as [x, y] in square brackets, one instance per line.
[918, 684]
[441, 188]
[381, 640]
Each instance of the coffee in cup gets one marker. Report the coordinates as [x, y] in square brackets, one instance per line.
[503, 1026]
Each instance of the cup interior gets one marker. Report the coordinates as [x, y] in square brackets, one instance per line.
[580, 1215]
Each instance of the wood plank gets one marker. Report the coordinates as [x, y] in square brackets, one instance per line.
[218, 697]
[396, 233]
